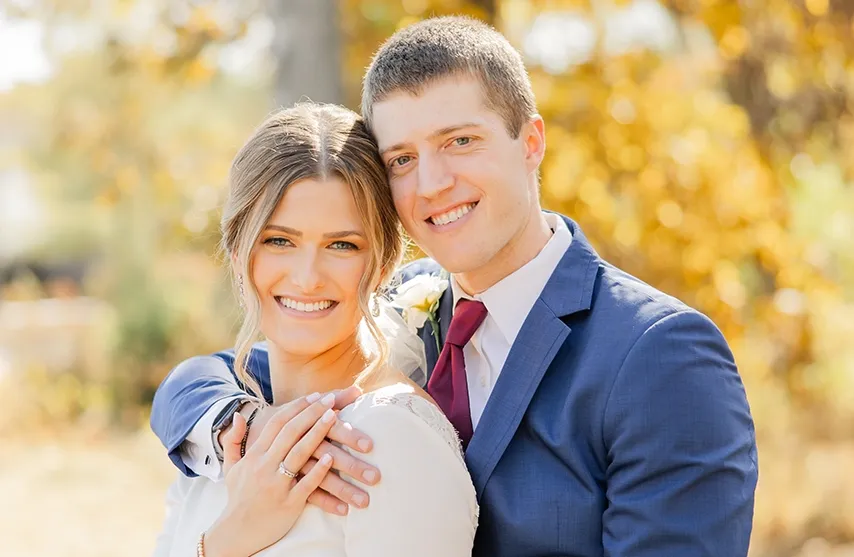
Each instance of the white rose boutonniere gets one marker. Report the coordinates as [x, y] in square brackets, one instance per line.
[419, 300]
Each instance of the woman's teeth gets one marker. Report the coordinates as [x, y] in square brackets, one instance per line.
[307, 308]
[452, 215]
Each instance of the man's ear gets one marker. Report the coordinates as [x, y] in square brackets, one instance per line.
[533, 135]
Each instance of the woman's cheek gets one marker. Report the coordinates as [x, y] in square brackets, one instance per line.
[348, 276]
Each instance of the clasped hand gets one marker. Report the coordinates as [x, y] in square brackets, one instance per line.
[264, 502]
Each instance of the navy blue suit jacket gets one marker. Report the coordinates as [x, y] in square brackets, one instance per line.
[618, 427]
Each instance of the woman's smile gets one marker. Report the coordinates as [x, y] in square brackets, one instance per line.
[305, 309]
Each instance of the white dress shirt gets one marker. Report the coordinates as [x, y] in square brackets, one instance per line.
[197, 451]
[508, 302]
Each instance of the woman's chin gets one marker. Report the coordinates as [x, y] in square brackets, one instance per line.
[306, 337]
[297, 345]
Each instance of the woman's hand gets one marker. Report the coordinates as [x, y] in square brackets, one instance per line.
[335, 495]
[263, 503]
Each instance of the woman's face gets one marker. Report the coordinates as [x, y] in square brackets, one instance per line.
[307, 265]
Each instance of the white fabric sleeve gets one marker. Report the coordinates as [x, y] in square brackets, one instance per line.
[175, 496]
[424, 504]
[197, 451]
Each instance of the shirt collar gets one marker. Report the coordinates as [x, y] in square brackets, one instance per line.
[510, 300]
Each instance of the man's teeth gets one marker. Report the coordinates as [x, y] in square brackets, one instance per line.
[452, 215]
[308, 308]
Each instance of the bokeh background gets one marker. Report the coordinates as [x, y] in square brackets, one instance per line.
[706, 146]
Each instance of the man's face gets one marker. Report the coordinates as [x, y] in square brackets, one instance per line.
[465, 190]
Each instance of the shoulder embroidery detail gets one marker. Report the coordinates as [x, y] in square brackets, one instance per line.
[427, 412]
[433, 417]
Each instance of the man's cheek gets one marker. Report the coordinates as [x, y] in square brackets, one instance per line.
[403, 203]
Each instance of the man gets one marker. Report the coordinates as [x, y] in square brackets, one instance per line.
[607, 418]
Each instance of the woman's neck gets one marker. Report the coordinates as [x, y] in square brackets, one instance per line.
[296, 375]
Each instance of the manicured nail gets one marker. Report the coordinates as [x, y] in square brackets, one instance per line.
[327, 417]
[312, 398]
[326, 459]
[364, 445]
[342, 509]
[360, 500]
[370, 476]
[328, 400]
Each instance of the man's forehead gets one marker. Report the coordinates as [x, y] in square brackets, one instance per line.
[424, 126]
[403, 117]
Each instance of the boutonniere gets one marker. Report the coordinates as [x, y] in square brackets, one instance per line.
[418, 298]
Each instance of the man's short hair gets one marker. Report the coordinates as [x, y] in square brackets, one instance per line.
[442, 47]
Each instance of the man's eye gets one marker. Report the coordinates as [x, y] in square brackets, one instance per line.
[401, 160]
[462, 141]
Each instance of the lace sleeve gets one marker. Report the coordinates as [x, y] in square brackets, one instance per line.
[428, 413]
[425, 492]
[175, 496]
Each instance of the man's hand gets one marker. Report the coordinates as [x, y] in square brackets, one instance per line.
[334, 494]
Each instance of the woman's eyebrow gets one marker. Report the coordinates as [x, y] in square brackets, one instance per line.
[329, 235]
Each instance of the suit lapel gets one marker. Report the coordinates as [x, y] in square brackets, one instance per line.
[569, 290]
[539, 340]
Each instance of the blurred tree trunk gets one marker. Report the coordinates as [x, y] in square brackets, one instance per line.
[307, 50]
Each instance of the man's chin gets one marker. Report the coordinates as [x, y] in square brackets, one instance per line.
[460, 262]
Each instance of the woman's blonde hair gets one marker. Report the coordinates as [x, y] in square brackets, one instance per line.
[307, 141]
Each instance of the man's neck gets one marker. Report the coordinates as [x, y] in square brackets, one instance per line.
[521, 250]
[295, 375]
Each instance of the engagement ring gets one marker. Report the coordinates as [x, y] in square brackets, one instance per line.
[285, 472]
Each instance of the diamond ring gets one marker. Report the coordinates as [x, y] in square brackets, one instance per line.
[285, 472]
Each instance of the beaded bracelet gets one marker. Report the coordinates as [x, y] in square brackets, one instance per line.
[200, 546]
[246, 433]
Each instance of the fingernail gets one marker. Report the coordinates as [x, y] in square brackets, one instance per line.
[326, 459]
[370, 476]
[328, 400]
[364, 445]
[312, 398]
[327, 417]
[342, 509]
[360, 500]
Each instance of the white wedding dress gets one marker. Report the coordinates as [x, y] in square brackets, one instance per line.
[424, 505]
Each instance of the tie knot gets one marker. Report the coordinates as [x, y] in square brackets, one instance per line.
[468, 315]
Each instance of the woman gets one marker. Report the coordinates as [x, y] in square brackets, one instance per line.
[311, 232]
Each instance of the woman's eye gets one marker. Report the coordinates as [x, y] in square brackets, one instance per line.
[344, 245]
[277, 242]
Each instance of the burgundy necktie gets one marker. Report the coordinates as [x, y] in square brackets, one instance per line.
[447, 384]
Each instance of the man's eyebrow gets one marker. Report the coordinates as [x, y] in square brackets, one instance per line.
[438, 133]
[330, 235]
[451, 129]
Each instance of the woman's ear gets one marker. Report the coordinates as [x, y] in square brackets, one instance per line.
[235, 265]
[386, 274]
